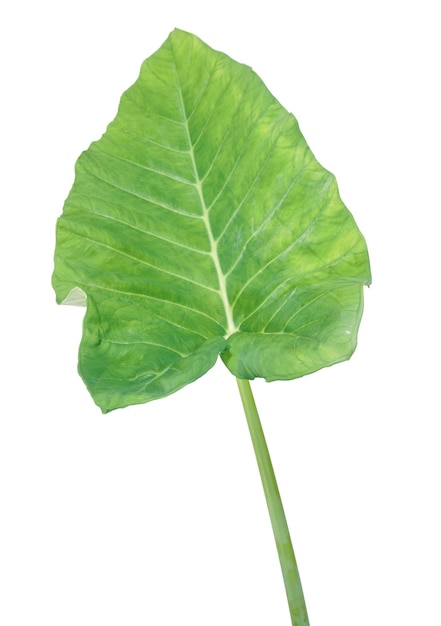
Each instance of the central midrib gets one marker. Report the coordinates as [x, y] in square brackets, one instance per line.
[231, 326]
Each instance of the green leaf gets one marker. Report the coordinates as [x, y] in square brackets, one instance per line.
[201, 224]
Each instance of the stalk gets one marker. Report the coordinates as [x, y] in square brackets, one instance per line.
[293, 586]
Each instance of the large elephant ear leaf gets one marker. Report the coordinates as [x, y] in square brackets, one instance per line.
[201, 224]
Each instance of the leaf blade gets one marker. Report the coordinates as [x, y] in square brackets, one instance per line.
[203, 210]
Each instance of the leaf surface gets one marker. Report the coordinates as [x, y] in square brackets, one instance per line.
[201, 224]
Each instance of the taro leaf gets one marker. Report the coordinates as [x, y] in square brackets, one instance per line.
[201, 224]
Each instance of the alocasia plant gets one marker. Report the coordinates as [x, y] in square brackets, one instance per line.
[200, 225]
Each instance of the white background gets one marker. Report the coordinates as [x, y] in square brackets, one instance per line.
[154, 515]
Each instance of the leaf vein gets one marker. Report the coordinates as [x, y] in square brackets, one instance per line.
[149, 169]
[203, 89]
[156, 299]
[268, 297]
[305, 306]
[230, 325]
[241, 153]
[270, 216]
[125, 131]
[286, 250]
[213, 111]
[155, 267]
[141, 230]
[143, 197]
[147, 343]
[255, 180]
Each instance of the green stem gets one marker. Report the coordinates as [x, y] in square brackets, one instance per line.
[293, 586]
